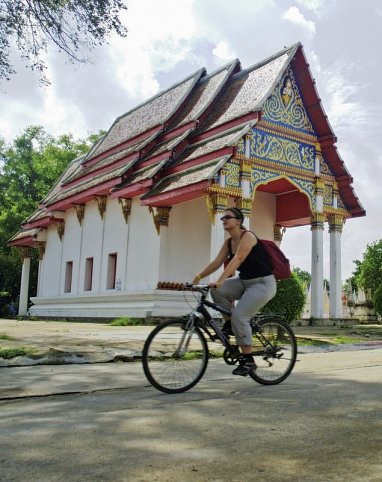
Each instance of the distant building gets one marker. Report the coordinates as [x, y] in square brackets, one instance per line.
[141, 208]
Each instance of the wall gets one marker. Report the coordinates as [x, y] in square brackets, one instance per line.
[263, 215]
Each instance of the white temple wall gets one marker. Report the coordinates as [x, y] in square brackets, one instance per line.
[263, 215]
[49, 274]
[115, 238]
[142, 267]
[71, 242]
[91, 247]
[187, 249]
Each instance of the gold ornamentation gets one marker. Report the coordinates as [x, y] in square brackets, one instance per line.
[245, 205]
[317, 221]
[126, 207]
[328, 194]
[101, 202]
[41, 249]
[216, 202]
[232, 170]
[278, 233]
[319, 186]
[60, 229]
[80, 211]
[285, 105]
[285, 131]
[161, 217]
[245, 168]
[283, 151]
[336, 223]
[24, 251]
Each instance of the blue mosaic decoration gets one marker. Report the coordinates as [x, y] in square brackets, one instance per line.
[240, 146]
[328, 195]
[324, 168]
[271, 147]
[263, 177]
[232, 175]
[305, 186]
[285, 107]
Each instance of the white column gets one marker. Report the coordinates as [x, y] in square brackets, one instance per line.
[24, 288]
[317, 298]
[217, 240]
[335, 230]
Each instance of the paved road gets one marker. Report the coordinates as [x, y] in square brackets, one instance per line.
[102, 422]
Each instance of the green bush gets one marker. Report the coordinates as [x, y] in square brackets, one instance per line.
[378, 300]
[289, 299]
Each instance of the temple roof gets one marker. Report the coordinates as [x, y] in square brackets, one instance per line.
[181, 134]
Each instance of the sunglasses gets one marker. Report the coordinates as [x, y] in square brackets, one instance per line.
[226, 217]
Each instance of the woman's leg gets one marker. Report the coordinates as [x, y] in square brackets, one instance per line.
[232, 289]
[257, 294]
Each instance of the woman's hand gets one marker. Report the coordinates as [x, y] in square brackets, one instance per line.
[215, 284]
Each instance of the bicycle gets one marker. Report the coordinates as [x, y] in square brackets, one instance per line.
[175, 354]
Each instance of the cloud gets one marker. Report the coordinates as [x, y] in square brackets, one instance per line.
[343, 108]
[223, 51]
[315, 6]
[294, 15]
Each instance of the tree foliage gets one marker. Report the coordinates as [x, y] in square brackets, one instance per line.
[289, 299]
[378, 300]
[368, 275]
[304, 277]
[29, 168]
[74, 26]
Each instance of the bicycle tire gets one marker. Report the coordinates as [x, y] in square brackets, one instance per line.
[275, 360]
[174, 358]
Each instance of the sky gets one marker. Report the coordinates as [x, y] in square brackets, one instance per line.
[168, 40]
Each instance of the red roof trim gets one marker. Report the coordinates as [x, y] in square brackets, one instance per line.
[97, 172]
[229, 150]
[42, 222]
[132, 190]
[228, 125]
[176, 196]
[178, 131]
[145, 135]
[28, 241]
[85, 196]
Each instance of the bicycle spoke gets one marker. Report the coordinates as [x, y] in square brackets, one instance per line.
[175, 357]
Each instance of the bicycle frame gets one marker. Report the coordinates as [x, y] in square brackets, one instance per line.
[201, 308]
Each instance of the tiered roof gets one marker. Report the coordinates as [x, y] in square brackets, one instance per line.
[169, 148]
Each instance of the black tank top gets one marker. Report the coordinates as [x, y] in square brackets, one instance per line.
[256, 264]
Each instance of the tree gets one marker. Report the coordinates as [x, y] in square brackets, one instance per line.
[73, 26]
[289, 299]
[370, 271]
[28, 170]
[378, 300]
[303, 276]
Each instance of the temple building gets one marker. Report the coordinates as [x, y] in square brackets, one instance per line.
[140, 210]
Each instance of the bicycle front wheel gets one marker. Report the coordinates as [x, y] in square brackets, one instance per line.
[275, 351]
[175, 356]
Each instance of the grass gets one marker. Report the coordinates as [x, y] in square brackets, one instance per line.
[334, 340]
[6, 337]
[126, 321]
[8, 353]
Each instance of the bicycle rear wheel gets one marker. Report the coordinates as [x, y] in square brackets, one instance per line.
[175, 356]
[275, 351]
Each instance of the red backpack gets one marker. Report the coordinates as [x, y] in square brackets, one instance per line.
[279, 262]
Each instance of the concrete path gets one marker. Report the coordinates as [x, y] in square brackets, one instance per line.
[103, 422]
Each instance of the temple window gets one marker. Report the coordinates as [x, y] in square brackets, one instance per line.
[111, 271]
[88, 274]
[68, 277]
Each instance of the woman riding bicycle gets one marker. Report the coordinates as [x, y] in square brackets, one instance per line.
[254, 286]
